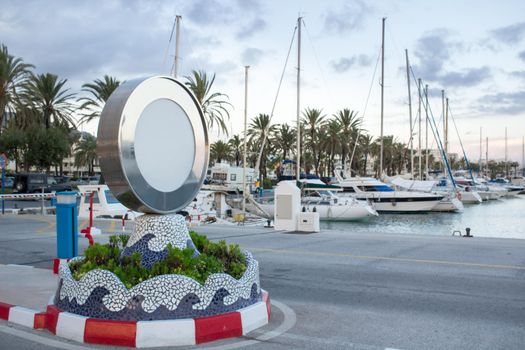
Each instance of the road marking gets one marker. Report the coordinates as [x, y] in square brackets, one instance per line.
[386, 258]
[112, 226]
[49, 227]
[40, 339]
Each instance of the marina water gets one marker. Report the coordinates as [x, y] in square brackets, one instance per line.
[503, 218]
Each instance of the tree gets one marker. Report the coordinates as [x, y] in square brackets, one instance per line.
[313, 120]
[283, 139]
[258, 130]
[13, 75]
[349, 125]
[46, 147]
[365, 143]
[236, 145]
[213, 104]
[86, 153]
[220, 151]
[99, 92]
[332, 143]
[13, 142]
[48, 95]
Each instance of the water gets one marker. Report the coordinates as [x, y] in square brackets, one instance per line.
[504, 218]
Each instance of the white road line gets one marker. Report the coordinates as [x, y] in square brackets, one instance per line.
[40, 339]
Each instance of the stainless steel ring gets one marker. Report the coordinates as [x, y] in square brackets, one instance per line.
[153, 145]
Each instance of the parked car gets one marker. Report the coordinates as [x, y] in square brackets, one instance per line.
[36, 182]
[9, 182]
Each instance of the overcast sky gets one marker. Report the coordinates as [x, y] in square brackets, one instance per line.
[475, 50]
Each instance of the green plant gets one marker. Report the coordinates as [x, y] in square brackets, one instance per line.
[213, 258]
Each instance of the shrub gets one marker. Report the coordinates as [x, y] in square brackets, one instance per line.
[213, 258]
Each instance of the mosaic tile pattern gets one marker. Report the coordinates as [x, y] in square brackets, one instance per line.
[94, 307]
[153, 233]
[101, 293]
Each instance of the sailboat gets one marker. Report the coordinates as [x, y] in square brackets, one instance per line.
[316, 196]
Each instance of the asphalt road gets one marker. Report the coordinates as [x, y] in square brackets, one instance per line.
[344, 290]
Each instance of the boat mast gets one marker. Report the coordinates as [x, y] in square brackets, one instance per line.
[411, 143]
[419, 132]
[426, 131]
[480, 150]
[487, 153]
[446, 126]
[382, 97]
[298, 165]
[244, 143]
[177, 33]
[443, 114]
[506, 167]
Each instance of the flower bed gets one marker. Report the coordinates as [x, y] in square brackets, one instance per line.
[203, 279]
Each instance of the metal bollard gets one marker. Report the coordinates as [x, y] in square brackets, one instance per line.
[467, 234]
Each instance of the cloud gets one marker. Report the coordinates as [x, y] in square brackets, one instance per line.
[345, 63]
[251, 56]
[350, 16]
[468, 77]
[510, 34]
[521, 55]
[210, 12]
[256, 25]
[503, 102]
[245, 14]
[434, 50]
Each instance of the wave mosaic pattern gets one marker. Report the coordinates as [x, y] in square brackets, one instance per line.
[153, 233]
[101, 294]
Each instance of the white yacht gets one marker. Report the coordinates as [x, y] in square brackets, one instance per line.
[451, 201]
[384, 198]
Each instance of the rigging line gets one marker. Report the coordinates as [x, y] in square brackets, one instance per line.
[366, 104]
[169, 42]
[440, 145]
[318, 64]
[461, 144]
[274, 104]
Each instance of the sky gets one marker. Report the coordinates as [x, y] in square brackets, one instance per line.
[472, 49]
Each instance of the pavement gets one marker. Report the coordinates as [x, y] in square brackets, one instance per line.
[336, 289]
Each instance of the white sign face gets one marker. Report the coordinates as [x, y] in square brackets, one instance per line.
[164, 126]
[153, 145]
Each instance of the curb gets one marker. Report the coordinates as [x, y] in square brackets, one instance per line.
[190, 331]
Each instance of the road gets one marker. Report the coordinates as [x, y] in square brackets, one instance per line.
[347, 290]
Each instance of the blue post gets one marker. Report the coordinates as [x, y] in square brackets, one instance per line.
[3, 186]
[67, 225]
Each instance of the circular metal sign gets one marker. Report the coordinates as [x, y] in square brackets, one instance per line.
[153, 145]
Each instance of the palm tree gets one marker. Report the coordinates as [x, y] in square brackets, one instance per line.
[47, 94]
[86, 152]
[313, 120]
[236, 145]
[332, 143]
[13, 74]
[100, 91]
[365, 143]
[349, 125]
[213, 104]
[220, 151]
[258, 130]
[283, 139]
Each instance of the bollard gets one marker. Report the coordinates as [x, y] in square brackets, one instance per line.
[67, 225]
[467, 234]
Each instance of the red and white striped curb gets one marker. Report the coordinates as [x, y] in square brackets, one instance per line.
[142, 333]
